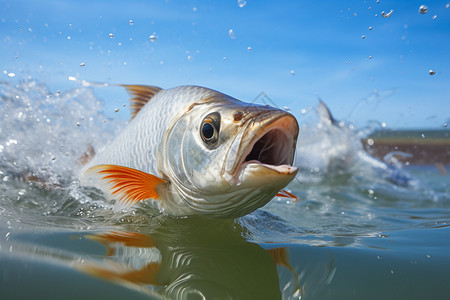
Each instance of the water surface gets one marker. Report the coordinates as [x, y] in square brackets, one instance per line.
[353, 234]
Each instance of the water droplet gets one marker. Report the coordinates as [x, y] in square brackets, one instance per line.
[370, 191]
[116, 110]
[434, 17]
[249, 48]
[370, 56]
[78, 124]
[447, 5]
[370, 28]
[11, 75]
[387, 15]
[422, 135]
[82, 64]
[189, 58]
[370, 142]
[111, 36]
[378, 1]
[445, 125]
[432, 72]
[383, 124]
[194, 9]
[152, 37]
[231, 33]
[131, 22]
[72, 78]
[423, 9]
[68, 37]
[292, 72]
[242, 3]
[364, 36]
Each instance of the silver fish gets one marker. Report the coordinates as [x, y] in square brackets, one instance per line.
[194, 150]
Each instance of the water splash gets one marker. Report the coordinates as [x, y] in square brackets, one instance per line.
[44, 138]
[327, 148]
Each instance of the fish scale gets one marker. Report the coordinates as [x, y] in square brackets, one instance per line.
[137, 146]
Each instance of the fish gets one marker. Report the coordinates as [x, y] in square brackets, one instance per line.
[195, 151]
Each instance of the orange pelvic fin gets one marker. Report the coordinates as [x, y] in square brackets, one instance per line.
[128, 185]
[286, 194]
[280, 257]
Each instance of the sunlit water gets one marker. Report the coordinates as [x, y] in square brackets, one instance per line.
[355, 233]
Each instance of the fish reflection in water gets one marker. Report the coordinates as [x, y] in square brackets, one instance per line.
[191, 257]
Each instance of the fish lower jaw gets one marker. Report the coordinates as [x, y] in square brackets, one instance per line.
[253, 173]
[280, 169]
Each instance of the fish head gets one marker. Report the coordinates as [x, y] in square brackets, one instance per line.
[227, 158]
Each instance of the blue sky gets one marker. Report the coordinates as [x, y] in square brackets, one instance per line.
[383, 76]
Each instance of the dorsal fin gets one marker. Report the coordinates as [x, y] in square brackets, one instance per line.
[141, 95]
[325, 113]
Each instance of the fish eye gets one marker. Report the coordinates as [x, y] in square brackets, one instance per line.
[209, 129]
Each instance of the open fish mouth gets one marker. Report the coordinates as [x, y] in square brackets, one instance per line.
[267, 147]
[271, 149]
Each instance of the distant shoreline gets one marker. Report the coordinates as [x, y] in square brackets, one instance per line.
[427, 147]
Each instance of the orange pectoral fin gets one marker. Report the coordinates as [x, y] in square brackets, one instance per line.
[128, 185]
[286, 194]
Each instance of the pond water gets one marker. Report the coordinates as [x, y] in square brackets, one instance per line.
[353, 234]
